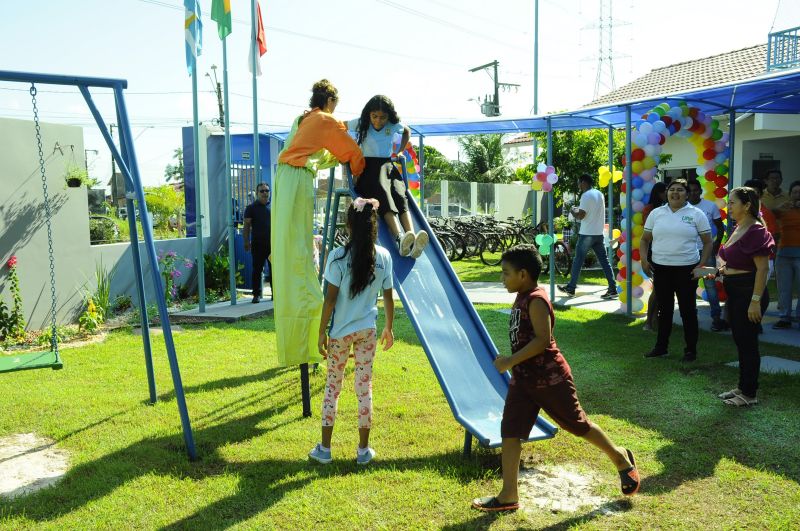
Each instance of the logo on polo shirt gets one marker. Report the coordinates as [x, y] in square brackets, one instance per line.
[689, 220]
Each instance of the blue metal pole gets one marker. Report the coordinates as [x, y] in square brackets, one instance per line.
[731, 153]
[421, 173]
[198, 210]
[610, 193]
[125, 135]
[124, 163]
[535, 206]
[551, 212]
[228, 184]
[629, 214]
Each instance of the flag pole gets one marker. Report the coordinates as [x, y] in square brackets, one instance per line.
[198, 216]
[228, 176]
[254, 47]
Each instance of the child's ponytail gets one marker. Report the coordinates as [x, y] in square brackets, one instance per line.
[362, 220]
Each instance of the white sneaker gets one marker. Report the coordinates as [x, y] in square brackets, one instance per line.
[366, 457]
[420, 242]
[406, 242]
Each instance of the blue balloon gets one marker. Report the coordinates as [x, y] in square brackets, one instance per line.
[637, 182]
[646, 198]
[653, 117]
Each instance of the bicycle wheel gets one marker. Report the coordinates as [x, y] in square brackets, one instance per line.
[492, 251]
[563, 260]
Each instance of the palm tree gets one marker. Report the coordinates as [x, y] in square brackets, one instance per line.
[485, 159]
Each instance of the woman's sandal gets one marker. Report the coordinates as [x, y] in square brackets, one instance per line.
[629, 478]
[740, 400]
[729, 394]
[492, 504]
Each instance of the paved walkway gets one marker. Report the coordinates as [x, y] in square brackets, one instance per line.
[588, 296]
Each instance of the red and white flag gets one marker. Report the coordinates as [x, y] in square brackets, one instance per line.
[261, 41]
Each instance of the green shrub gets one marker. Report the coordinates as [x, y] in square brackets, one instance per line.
[122, 303]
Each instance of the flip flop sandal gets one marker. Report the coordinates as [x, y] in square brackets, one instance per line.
[629, 478]
[492, 504]
[729, 394]
[740, 401]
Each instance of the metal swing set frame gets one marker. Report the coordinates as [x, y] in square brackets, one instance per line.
[125, 158]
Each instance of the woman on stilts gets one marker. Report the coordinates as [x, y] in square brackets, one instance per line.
[316, 141]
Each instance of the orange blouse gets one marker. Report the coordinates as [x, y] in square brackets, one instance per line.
[320, 130]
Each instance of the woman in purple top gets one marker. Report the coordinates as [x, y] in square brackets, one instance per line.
[744, 263]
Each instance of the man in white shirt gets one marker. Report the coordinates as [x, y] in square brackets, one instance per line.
[591, 213]
[714, 220]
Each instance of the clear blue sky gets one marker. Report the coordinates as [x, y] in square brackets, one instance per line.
[416, 51]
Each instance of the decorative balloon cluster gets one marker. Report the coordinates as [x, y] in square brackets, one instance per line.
[545, 178]
[545, 243]
[412, 165]
[606, 176]
[648, 137]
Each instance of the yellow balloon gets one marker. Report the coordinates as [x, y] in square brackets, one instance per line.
[616, 233]
[637, 279]
[604, 178]
[648, 163]
[710, 186]
[617, 176]
[710, 196]
[623, 297]
[536, 185]
[637, 166]
[636, 241]
[637, 231]
[638, 219]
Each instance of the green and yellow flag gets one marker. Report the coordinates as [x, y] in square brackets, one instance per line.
[221, 14]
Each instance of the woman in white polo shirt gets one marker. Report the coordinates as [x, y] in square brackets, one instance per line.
[672, 229]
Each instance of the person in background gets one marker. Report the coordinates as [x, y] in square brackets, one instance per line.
[711, 210]
[672, 229]
[256, 235]
[773, 197]
[787, 263]
[744, 268]
[658, 197]
[591, 213]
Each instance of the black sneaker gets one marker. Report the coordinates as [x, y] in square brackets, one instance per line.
[718, 325]
[256, 299]
[656, 353]
[564, 288]
[782, 325]
[689, 356]
[610, 295]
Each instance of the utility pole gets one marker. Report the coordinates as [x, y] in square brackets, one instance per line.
[113, 165]
[217, 87]
[491, 107]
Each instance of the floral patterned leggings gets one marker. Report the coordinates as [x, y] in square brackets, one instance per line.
[364, 343]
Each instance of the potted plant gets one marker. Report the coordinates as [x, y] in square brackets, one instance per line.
[76, 177]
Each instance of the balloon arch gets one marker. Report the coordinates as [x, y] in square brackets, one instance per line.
[648, 137]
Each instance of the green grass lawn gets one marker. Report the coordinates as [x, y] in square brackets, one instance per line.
[473, 270]
[704, 465]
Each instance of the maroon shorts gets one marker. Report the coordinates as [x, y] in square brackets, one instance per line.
[525, 400]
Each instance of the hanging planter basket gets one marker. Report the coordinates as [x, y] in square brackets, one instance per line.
[74, 182]
[76, 176]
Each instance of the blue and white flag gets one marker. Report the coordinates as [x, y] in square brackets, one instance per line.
[193, 30]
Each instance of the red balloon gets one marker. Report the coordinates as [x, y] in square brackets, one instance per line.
[700, 129]
[624, 187]
[677, 126]
[635, 254]
[721, 192]
[620, 254]
[661, 139]
[637, 154]
[623, 272]
[667, 120]
[708, 143]
[709, 154]
[693, 112]
[623, 161]
[711, 175]
[721, 181]
[723, 215]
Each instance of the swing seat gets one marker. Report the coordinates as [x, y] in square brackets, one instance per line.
[29, 361]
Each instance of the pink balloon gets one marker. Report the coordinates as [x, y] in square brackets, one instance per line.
[546, 186]
[550, 170]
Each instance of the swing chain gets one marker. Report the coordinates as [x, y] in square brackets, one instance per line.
[53, 333]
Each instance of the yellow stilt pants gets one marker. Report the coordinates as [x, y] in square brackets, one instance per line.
[297, 293]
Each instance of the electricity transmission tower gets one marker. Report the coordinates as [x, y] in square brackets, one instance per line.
[605, 50]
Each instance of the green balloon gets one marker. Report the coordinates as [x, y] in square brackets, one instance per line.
[717, 134]
[721, 169]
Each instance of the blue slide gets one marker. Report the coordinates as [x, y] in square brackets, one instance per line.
[454, 338]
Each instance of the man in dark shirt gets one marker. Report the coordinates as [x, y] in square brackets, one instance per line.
[256, 233]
